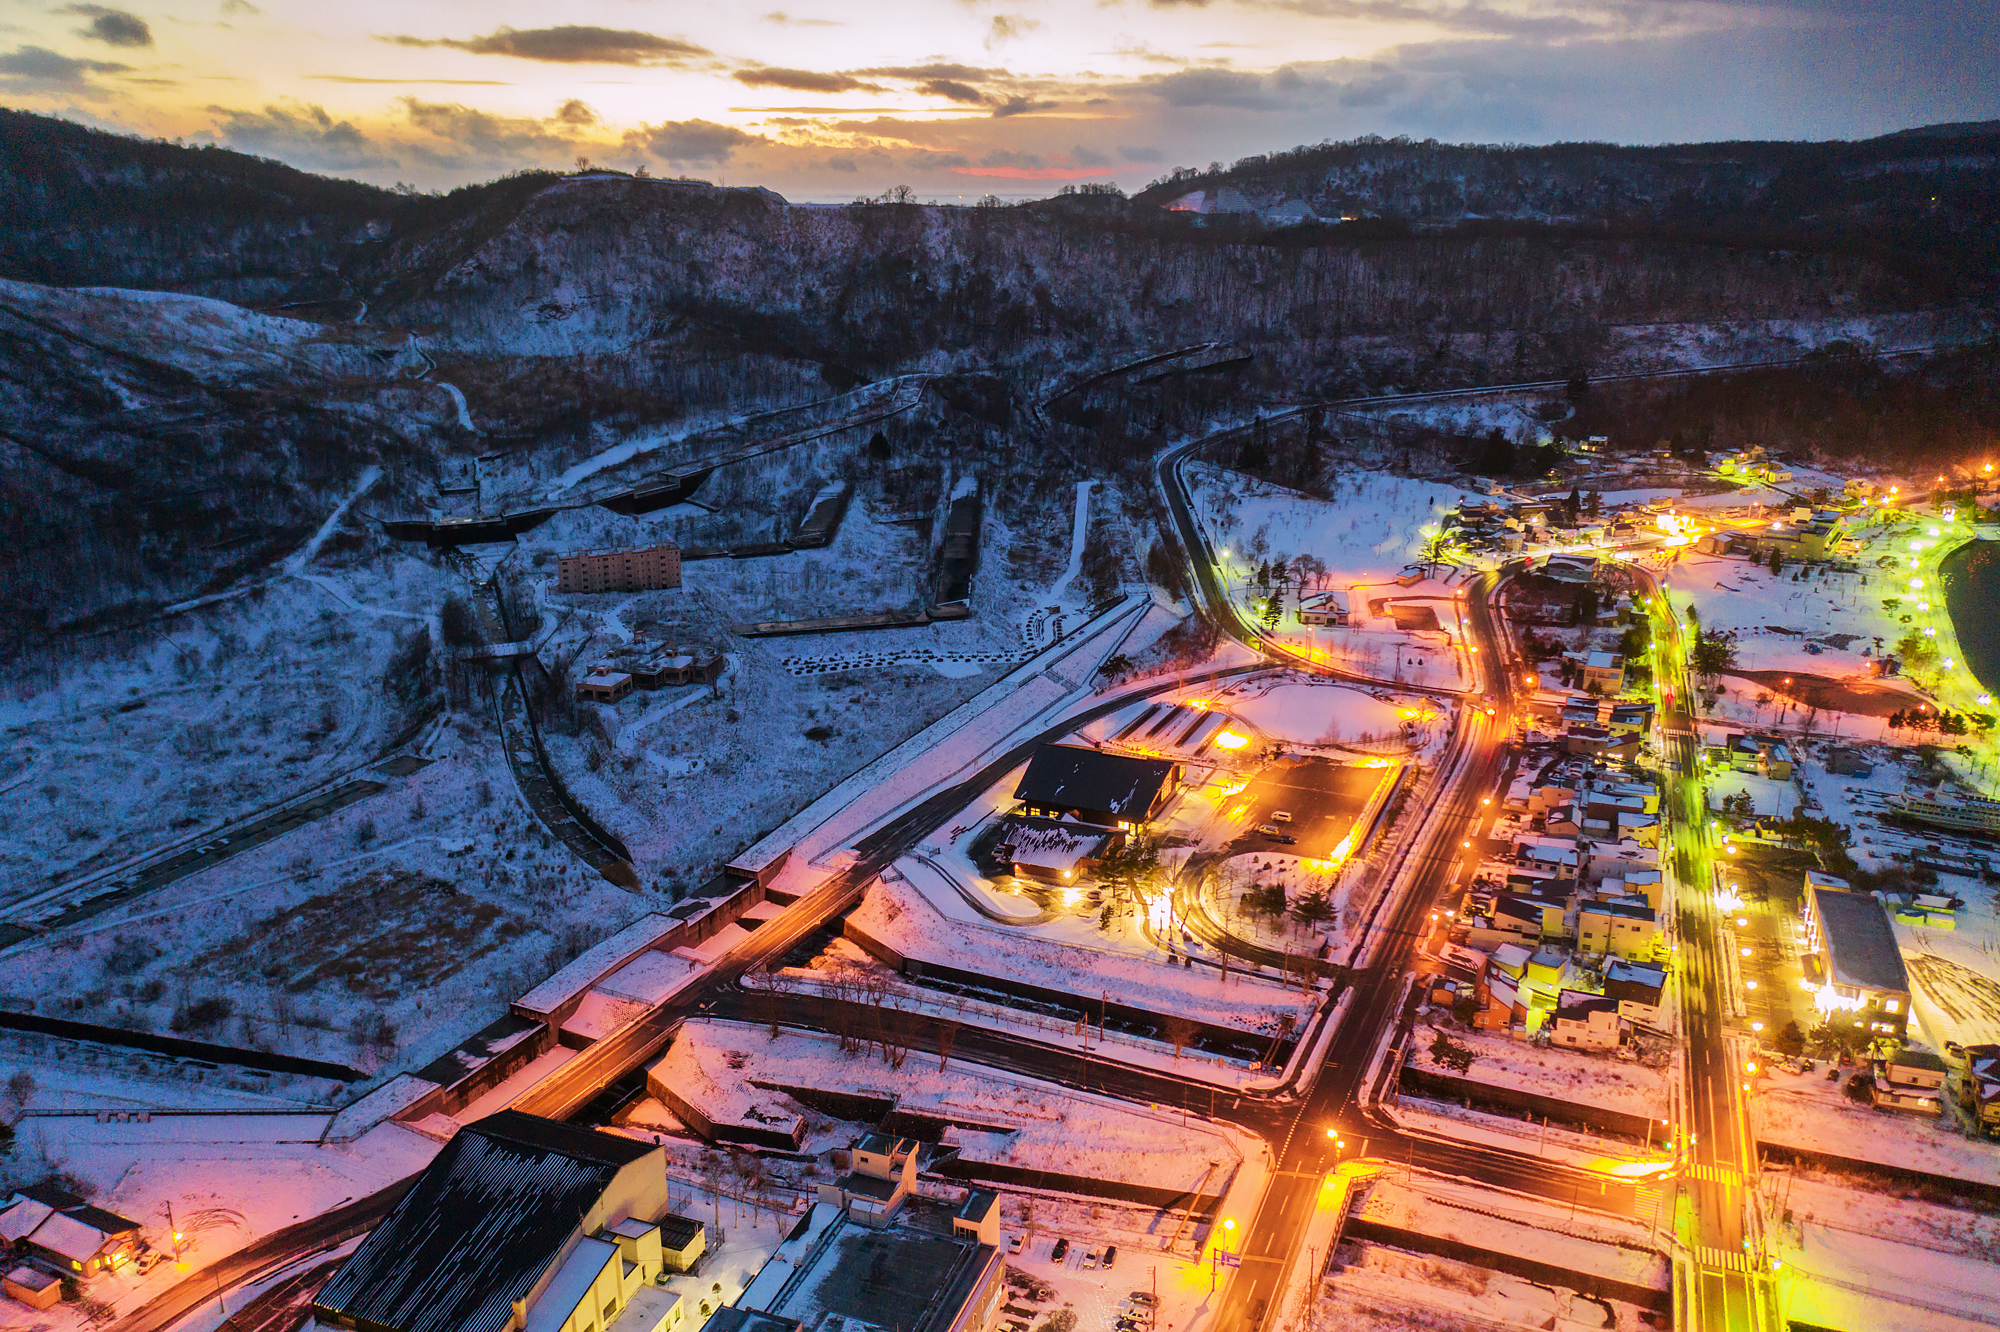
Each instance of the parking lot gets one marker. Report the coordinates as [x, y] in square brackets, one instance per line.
[1323, 798]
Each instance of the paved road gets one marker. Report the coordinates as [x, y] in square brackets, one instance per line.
[1718, 1145]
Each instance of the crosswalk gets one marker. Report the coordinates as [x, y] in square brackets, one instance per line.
[1716, 1174]
[1724, 1260]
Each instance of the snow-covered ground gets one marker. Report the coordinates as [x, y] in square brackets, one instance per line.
[895, 914]
[1812, 1113]
[230, 1179]
[1356, 546]
[725, 1069]
[1567, 1075]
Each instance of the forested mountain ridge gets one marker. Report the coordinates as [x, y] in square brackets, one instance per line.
[139, 464]
[1928, 199]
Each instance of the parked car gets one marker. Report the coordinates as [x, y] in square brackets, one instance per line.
[1090, 1261]
[1014, 1245]
[1060, 1251]
[1281, 816]
[1268, 829]
[1144, 1298]
[1110, 1253]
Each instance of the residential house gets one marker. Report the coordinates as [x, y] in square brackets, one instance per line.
[1624, 927]
[1600, 743]
[1979, 1086]
[1855, 964]
[1580, 712]
[1603, 673]
[1585, 1021]
[1322, 608]
[1547, 972]
[1630, 718]
[1505, 1007]
[1638, 988]
[68, 1234]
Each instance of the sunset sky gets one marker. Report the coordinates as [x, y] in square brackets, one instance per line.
[960, 98]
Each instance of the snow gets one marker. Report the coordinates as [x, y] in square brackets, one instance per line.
[1318, 713]
[896, 915]
[1077, 534]
[1475, 1217]
[230, 1180]
[1812, 1114]
[1566, 1075]
[726, 1068]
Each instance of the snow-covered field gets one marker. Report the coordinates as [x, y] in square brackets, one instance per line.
[1567, 1075]
[1355, 545]
[1034, 1125]
[1811, 1113]
[895, 914]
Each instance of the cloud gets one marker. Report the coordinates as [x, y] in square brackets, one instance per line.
[951, 89]
[483, 134]
[355, 79]
[300, 133]
[113, 27]
[924, 159]
[573, 44]
[784, 20]
[1006, 27]
[36, 69]
[1090, 157]
[1298, 87]
[1214, 87]
[576, 112]
[804, 80]
[842, 163]
[1140, 154]
[919, 73]
[1017, 105]
[692, 141]
[239, 7]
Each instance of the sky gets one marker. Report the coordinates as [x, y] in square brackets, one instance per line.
[837, 99]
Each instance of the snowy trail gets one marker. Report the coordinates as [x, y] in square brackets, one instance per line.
[458, 398]
[304, 555]
[1076, 540]
[296, 562]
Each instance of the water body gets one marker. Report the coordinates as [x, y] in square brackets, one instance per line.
[1972, 598]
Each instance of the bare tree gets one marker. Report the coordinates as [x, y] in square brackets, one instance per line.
[947, 1036]
[1180, 1031]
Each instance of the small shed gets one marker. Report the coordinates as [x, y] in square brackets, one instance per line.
[32, 1286]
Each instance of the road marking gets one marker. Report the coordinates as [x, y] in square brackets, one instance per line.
[1718, 1174]
[1724, 1260]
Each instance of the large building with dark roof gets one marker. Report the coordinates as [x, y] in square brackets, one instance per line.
[520, 1224]
[1111, 790]
[1861, 982]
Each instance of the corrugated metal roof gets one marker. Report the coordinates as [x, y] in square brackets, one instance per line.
[479, 1228]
